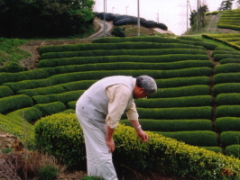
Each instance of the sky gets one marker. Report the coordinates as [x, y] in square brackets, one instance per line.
[172, 13]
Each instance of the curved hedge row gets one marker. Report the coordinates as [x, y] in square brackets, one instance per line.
[50, 108]
[13, 126]
[227, 124]
[5, 91]
[195, 138]
[226, 78]
[228, 111]
[204, 112]
[230, 137]
[112, 46]
[14, 102]
[173, 125]
[123, 58]
[229, 60]
[141, 52]
[215, 52]
[189, 101]
[159, 151]
[228, 99]
[76, 76]
[190, 90]
[181, 81]
[219, 57]
[61, 88]
[226, 88]
[227, 68]
[31, 114]
[233, 150]
[62, 97]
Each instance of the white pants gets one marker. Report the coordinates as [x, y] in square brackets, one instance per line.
[99, 160]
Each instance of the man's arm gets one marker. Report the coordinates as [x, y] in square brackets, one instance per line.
[139, 131]
[109, 139]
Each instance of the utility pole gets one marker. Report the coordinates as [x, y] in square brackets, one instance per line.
[138, 20]
[104, 17]
[187, 16]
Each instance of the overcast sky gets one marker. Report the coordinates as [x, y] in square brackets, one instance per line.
[173, 13]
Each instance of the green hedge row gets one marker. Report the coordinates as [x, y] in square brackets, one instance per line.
[230, 137]
[31, 114]
[226, 78]
[61, 88]
[188, 101]
[215, 52]
[140, 52]
[123, 58]
[173, 125]
[227, 68]
[204, 112]
[219, 57]
[133, 65]
[14, 102]
[228, 111]
[154, 39]
[226, 88]
[181, 81]
[62, 97]
[112, 46]
[227, 124]
[5, 91]
[77, 76]
[158, 152]
[50, 108]
[212, 148]
[195, 138]
[16, 127]
[190, 90]
[135, 39]
[34, 74]
[229, 26]
[229, 60]
[228, 99]
[233, 150]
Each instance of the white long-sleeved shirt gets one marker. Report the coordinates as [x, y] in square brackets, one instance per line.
[118, 96]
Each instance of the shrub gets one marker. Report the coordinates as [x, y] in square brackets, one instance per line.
[228, 111]
[48, 172]
[118, 32]
[195, 138]
[228, 99]
[226, 88]
[159, 151]
[62, 97]
[189, 101]
[227, 68]
[204, 112]
[5, 91]
[226, 78]
[142, 52]
[233, 150]
[50, 108]
[11, 67]
[227, 124]
[15, 102]
[173, 125]
[230, 137]
[123, 58]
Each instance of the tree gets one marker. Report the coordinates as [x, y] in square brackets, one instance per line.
[45, 18]
[226, 5]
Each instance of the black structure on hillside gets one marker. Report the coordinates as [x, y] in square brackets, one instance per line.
[119, 20]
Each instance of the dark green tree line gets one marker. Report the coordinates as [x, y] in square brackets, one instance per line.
[226, 5]
[45, 18]
[197, 18]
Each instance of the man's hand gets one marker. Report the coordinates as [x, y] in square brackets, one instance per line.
[142, 135]
[111, 145]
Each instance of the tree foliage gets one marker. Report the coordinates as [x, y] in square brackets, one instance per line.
[45, 18]
[226, 5]
[198, 16]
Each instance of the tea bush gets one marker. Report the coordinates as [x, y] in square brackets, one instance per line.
[61, 135]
